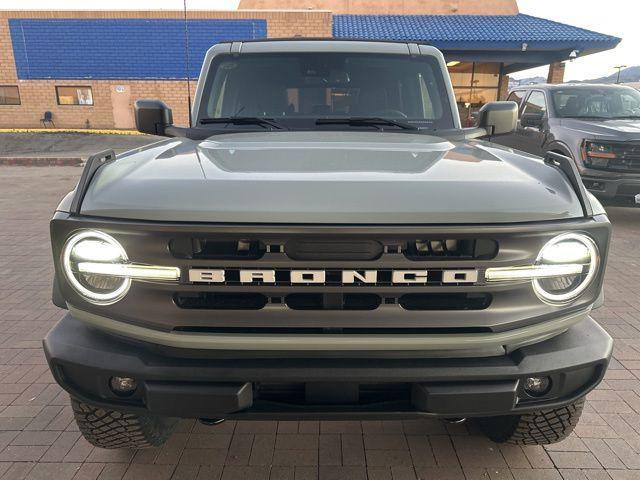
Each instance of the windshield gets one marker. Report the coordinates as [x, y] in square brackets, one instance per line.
[297, 89]
[597, 102]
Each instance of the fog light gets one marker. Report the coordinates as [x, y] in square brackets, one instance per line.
[537, 386]
[123, 386]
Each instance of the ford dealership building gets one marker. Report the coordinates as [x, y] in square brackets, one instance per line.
[84, 69]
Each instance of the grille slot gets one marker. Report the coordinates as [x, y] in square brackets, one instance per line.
[445, 301]
[332, 301]
[365, 394]
[337, 301]
[221, 301]
[333, 250]
[208, 249]
[452, 248]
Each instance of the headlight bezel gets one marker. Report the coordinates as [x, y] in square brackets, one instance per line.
[542, 269]
[91, 296]
[592, 269]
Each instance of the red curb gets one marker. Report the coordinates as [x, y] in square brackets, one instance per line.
[41, 161]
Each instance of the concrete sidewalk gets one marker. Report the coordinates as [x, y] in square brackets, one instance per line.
[36, 149]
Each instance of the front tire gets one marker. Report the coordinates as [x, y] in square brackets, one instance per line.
[114, 429]
[540, 427]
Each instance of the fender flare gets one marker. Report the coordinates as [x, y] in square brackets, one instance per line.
[560, 148]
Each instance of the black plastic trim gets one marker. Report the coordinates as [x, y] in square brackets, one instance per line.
[94, 162]
[568, 167]
[83, 359]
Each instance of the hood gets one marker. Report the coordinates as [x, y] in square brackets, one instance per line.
[620, 130]
[329, 178]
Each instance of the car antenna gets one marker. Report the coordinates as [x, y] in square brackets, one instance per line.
[186, 58]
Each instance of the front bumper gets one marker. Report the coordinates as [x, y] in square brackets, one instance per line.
[608, 187]
[83, 359]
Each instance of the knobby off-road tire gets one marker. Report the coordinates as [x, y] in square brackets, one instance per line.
[541, 427]
[113, 429]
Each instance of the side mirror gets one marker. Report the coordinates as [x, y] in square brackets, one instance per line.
[533, 119]
[498, 118]
[152, 116]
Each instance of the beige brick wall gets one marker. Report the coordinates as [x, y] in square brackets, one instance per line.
[556, 73]
[38, 96]
[503, 93]
[395, 7]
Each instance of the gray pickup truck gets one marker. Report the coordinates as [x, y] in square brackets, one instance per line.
[325, 241]
[598, 126]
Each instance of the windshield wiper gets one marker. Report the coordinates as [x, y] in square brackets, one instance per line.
[628, 116]
[243, 121]
[365, 121]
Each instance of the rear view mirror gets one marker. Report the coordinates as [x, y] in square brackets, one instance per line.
[533, 119]
[152, 116]
[498, 118]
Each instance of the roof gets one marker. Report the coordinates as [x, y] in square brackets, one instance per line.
[474, 32]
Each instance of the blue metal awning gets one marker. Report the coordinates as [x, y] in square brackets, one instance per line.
[480, 37]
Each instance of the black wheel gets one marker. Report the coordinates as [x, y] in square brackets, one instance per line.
[541, 427]
[113, 429]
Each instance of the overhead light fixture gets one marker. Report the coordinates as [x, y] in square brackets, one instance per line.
[453, 63]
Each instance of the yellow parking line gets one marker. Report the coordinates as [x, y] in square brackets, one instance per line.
[70, 130]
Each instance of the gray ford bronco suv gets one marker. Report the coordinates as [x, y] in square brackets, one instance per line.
[326, 241]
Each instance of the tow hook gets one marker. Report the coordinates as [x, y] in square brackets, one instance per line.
[211, 421]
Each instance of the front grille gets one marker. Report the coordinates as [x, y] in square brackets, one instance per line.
[627, 158]
[449, 301]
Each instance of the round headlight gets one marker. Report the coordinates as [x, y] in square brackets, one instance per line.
[95, 247]
[566, 250]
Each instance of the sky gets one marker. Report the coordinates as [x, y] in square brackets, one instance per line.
[613, 17]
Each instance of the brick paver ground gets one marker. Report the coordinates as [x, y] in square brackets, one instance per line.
[38, 439]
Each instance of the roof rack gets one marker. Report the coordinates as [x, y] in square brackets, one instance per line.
[94, 162]
[567, 166]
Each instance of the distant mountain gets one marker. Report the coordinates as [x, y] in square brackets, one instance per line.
[627, 75]
[515, 82]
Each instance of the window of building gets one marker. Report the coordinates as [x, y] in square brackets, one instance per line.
[74, 95]
[536, 103]
[9, 95]
[474, 84]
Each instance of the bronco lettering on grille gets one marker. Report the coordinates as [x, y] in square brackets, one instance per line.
[345, 277]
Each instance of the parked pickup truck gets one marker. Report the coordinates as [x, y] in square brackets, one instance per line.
[326, 242]
[598, 126]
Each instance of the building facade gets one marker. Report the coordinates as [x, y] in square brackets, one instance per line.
[85, 69]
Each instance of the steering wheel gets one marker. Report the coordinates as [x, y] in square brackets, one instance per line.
[389, 112]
